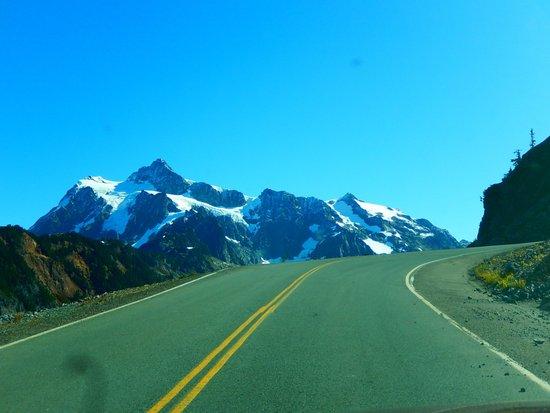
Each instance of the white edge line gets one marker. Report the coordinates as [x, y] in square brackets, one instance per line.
[13, 343]
[409, 279]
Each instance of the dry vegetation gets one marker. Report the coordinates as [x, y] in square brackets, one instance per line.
[520, 274]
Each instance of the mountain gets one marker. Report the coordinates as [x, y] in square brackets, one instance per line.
[44, 271]
[157, 210]
[518, 208]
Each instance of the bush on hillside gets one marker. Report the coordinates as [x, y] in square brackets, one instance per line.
[520, 274]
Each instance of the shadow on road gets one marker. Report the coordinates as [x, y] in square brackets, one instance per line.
[92, 376]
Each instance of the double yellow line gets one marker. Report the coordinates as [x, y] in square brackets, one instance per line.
[255, 319]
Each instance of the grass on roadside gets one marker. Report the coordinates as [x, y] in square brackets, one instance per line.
[496, 278]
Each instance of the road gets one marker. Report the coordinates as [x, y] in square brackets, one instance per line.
[330, 335]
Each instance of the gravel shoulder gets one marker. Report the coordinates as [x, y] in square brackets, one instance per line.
[520, 329]
[27, 324]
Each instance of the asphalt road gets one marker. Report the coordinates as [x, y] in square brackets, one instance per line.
[348, 335]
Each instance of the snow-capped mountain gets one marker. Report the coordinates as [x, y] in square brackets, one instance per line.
[158, 210]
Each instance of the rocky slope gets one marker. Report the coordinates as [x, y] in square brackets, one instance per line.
[521, 274]
[44, 271]
[157, 210]
[518, 208]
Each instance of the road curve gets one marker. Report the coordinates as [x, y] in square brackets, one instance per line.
[331, 335]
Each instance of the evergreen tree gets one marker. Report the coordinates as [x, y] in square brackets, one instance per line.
[515, 161]
[532, 135]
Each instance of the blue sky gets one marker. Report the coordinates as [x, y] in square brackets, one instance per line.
[417, 105]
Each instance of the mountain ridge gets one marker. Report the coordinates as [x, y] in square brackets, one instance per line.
[45, 271]
[157, 209]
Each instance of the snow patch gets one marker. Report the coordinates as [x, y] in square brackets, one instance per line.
[167, 221]
[103, 188]
[346, 213]
[271, 260]
[387, 213]
[378, 247]
[128, 187]
[249, 209]
[307, 248]
[248, 212]
[185, 204]
[118, 220]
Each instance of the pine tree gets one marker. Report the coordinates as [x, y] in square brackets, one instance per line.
[532, 135]
[515, 161]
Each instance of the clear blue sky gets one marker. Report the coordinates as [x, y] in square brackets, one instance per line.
[417, 105]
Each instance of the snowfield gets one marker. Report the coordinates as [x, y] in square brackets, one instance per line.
[348, 216]
[378, 247]
[387, 213]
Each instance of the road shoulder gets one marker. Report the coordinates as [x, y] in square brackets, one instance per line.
[520, 330]
[38, 322]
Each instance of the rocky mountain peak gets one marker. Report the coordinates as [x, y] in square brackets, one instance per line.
[216, 196]
[348, 198]
[269, 193]
[158, 168]
[161, 177]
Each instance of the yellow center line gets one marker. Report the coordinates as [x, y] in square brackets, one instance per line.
[167, 398]
[184, 403]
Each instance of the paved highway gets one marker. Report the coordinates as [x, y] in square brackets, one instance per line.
[330, 335]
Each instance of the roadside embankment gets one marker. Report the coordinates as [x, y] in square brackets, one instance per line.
[519, 329]
[520, 274]
[26, 324]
